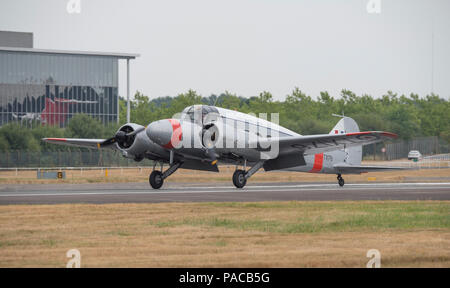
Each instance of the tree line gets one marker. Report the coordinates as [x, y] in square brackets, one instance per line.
[409, 116]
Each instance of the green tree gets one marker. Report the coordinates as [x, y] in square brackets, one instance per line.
[408, 116]
[17, 137]
[44, 131]
[84, 126]
[143, 111]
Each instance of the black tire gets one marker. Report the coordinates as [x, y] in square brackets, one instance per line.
[235, 176]
[239, 178]
[341, 182]
[156, 180]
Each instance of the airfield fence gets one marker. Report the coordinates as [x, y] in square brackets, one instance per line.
[399, 149]
[71, 158]
[443, 162]
[74, 157]
[425, 145]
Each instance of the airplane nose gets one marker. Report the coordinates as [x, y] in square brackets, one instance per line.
[166, 133]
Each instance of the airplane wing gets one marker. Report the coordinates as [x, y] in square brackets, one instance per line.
[101, 143]
[77, 142]
[344, 168]
[321, 143]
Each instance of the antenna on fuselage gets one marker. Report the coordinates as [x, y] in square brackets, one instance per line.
[215, 101]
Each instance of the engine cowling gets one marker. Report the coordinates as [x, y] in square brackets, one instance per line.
[133, 146]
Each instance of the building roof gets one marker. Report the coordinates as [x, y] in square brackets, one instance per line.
[70, 52]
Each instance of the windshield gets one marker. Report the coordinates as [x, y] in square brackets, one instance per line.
[197, 113]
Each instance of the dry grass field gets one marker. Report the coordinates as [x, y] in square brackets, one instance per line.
[190, 176]
[268, 234]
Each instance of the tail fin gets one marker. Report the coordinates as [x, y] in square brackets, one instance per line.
[348, 125]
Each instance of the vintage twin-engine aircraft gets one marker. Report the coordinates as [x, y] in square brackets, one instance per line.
[204, 135]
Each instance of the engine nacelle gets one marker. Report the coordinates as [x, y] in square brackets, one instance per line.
[166, 133]
[133, 146]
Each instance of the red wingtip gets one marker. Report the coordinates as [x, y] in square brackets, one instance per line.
[358, 133]
[55, 139]
[387, 134]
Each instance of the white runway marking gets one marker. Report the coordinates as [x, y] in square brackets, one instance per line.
[251, 189]
[312, 185]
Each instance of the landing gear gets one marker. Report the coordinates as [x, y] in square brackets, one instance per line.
[239, 179]
[340, 180]
[156, 178]
[240, 176]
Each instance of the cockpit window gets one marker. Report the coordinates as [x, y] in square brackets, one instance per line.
[190, 113]
[210, 114]
[199, 111]
[209, 109]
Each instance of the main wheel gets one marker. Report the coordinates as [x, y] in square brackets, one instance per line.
[341, 182]
[155, 179]
[239, 178]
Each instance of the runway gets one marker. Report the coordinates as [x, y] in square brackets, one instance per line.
[183, 192]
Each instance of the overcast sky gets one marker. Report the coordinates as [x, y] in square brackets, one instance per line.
[247, 46]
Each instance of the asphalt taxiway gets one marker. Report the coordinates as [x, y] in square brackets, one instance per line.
[183, 192]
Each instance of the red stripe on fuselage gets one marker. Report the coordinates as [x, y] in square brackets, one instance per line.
[318, 163]
[176, 134]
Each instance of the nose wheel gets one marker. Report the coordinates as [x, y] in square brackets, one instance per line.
[340, 180]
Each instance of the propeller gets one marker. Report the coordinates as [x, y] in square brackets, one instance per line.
[135, 131]
[122, 138]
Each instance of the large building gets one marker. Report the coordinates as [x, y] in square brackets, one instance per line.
[48, 87]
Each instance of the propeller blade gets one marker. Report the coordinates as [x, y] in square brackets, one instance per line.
[108, 142]
[135, 131]
[120, 137]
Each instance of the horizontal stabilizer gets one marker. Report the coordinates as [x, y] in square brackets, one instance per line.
[344, 168]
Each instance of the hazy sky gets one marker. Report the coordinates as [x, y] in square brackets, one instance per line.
[247, 46]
